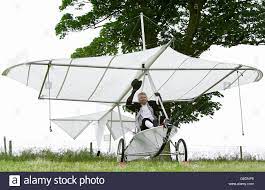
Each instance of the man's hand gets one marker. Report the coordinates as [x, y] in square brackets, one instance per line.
[157, 94]
[136, 84]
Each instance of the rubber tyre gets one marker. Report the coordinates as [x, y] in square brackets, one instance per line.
[120, 151]
[181, 141]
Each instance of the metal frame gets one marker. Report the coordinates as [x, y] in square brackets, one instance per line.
[240, 105]
[140, 69]
[155, 91]
[146, 70]
[86, 120]
[66, 74]
[110, 132]
[121, 122]
[101, 78]
[241, 74]
[220, 80]
[45, 77]
[142, 29]
[28, 75]
[106, 102]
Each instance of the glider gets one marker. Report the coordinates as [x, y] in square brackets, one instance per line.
[106, 80]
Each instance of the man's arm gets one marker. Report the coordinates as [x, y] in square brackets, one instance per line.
[129, 104]
[136, 84]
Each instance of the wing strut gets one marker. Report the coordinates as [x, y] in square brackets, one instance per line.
[152, 84]
[142, 29]
[123, 133]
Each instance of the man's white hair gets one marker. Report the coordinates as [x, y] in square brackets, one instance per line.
[142, 93]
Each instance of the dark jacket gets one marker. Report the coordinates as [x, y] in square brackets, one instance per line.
[135, 106]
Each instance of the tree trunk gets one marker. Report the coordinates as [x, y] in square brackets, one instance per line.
[194, 7]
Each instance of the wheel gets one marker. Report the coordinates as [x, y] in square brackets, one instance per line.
[120, 151]
[181, 151]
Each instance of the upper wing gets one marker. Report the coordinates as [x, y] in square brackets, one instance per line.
[103, 79]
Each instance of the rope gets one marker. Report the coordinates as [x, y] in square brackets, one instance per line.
[138, 20]
[49, 86]
[162, 29]
[240, 105]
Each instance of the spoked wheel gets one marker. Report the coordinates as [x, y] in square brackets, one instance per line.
[120, 151]
[181, 151]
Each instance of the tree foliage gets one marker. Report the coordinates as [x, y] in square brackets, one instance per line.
[195, 24]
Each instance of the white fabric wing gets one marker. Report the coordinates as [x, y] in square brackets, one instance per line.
[72, 128]
[104, 79]
[100, 130]
[116, 130]
[75, 125]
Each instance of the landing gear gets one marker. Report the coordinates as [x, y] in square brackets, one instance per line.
[181, 151]
[120, 151]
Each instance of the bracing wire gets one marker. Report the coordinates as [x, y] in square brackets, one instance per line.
[240, 105]
[138, 20]
[49, 91]
[153, 22]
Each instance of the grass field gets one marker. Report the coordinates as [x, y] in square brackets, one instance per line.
[140, 166]
[83, 161]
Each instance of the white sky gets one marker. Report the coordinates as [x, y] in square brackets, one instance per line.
[27, 34]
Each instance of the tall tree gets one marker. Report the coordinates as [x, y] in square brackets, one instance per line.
[195, 24]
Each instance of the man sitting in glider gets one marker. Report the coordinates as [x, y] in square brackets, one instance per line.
[147, 112]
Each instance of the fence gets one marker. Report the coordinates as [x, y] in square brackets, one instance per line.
[196, 152]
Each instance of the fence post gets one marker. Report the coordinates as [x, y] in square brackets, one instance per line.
[5, 145]
[10, 148]
[241, 153]
[91, 148]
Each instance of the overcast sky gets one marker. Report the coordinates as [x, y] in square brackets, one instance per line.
[27, 33]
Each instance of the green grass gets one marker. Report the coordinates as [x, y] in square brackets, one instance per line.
[46, 160]
[141, 166]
